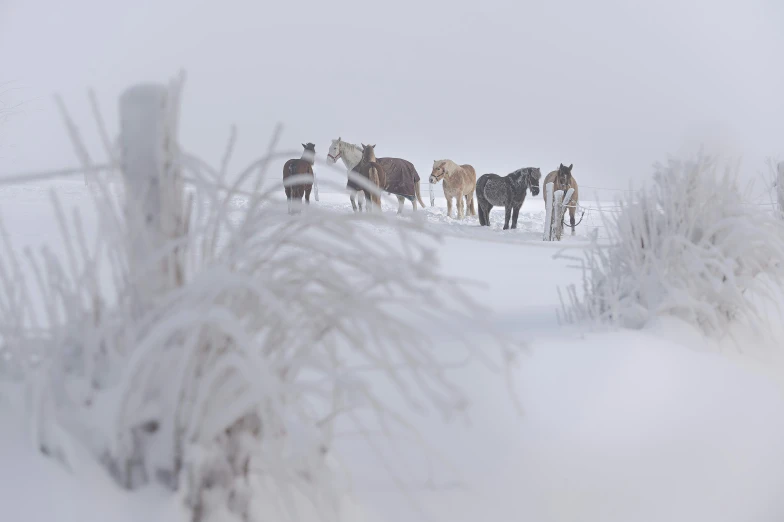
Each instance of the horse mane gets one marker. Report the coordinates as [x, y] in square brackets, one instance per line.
[448, 165]
[350, 145]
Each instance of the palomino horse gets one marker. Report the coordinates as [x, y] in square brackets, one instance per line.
[402, 177]
[459, 183]
[507, 191]
[562, 179]
[370, 169]
[293, 167]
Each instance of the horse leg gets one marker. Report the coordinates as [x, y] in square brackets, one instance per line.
[307, 194]
[469, 203]
[515, 213]
[572, 210]
[460, 208]
[507, 216]
[449, 206]
[414, 202]
[353, 196]
[400, 202]
[482, 218]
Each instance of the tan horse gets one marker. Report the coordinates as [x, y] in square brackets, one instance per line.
[562, 179]
[459, 183]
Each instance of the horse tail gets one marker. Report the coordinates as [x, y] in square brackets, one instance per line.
[373, 176]
[419, 194]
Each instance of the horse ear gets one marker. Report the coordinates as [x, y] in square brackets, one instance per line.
[372, 146]
[559, 168]
[304, 146]
[363, 145]
[570, 167]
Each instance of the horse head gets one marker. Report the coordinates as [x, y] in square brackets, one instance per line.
[368, 153]
[564, 177]
[534, 175]
[438, 172]
[309, 153]
[334, 151]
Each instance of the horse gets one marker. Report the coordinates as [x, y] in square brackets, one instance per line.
[562, 179]
[507, 191]
[402, 178]
[459, 183]
[370, 169]
[302, 165]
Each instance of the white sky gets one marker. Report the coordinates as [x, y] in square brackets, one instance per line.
[609, 85]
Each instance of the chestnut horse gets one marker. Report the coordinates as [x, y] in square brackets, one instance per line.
[293, 167]
[371, 169]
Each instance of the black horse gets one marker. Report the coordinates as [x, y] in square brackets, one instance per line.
[507, 191]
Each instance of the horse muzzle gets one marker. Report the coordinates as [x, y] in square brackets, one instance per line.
[433, 180]
[535, 191]
[333, 158]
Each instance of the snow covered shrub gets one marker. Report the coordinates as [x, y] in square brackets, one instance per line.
[228, 384]
[689, 245]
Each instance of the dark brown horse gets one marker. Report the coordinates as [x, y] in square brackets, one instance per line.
[370, 169]
[562, 179]
[293, 167]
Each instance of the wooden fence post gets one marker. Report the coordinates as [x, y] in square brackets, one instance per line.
[154, 195]
[567, 200]
[780, 187]
[557, 217]
[548, 212]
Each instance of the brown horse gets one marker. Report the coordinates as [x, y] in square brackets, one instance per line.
[459, 183]
[370, 168]
[293, 167]
[562, 179]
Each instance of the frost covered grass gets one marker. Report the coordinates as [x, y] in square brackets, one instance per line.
[689, 245]
[216, 354]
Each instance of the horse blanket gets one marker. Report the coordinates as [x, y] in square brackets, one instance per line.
[402, 177]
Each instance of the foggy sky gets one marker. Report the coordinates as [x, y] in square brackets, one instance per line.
[611, 86]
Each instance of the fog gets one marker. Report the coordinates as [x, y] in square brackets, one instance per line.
[610, 86]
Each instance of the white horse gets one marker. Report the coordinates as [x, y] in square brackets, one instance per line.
[351, 155]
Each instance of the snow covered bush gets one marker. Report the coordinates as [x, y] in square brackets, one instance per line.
[688, 245]
[267, 330]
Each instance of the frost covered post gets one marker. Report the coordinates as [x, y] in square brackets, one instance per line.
[557, 216]
[154, 202]
[780, 187]
[432, 196]
[548, 206]
[560, 209]
[555, 204]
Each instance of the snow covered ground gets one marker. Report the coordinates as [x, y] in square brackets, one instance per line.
[618, 426]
